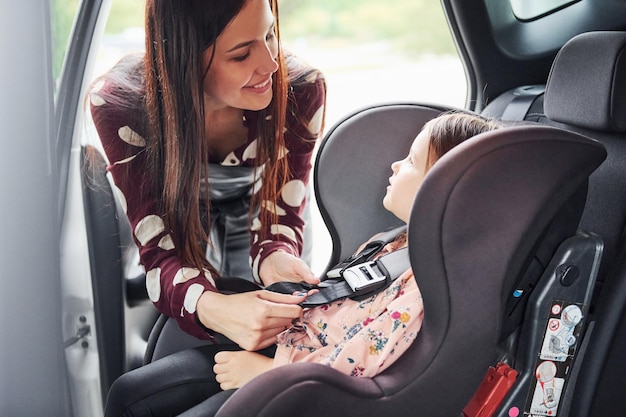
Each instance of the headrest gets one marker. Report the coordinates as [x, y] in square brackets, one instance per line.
[587, 82]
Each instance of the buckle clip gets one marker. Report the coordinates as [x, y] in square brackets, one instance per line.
[364, 277]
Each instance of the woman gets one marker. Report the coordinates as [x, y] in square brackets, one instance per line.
[363, 338]
[209, 138]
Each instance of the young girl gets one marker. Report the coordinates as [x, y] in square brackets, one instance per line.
[363, 338]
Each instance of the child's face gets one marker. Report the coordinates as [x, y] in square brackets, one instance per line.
[408, 175]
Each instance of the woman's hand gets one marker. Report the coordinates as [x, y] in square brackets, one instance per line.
[251, 319]
[282, 266]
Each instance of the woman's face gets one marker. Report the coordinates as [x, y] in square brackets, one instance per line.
[408, 175]
[240, 75]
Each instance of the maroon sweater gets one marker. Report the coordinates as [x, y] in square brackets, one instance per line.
[173, 286]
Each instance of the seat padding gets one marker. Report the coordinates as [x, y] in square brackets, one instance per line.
[587, 82]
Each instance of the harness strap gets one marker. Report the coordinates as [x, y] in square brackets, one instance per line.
[357, 277]
[522, 101]
[368, 252]
[373, 276]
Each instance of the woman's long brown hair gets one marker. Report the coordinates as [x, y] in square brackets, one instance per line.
[177, 32]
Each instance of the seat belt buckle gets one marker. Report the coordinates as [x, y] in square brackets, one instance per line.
[364, 277]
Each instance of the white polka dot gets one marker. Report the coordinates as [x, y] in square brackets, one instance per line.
[153, 284]
[282, 152]
[256, 225]
[231, 160]
[209, 277]
[294, 193]
[131, 137]
[191, 298]
[98, 86]
[166, 243]
[280, 229]
[315, 124]
[312, 77]
[255, 265]
[125, 161]
[95, 98]
[149, 228]
[185, 274]
[251, 151]
[273, 208]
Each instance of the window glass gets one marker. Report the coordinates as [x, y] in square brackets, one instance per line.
[123, 33]
[370, 52]
[63, 14]
[532, 9]
[373, 51]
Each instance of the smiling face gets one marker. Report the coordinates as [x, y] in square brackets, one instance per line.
[244, 59]
[408, 175]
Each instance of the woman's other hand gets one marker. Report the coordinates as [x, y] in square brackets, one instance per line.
[251, 319]
[282, 266]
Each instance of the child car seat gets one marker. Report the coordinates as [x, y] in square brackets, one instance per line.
[475, 224]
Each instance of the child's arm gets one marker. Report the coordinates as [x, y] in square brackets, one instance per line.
[234, 369]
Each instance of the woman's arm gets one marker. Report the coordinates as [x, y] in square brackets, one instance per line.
[173, 287]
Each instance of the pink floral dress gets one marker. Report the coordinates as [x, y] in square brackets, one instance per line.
[358, 338]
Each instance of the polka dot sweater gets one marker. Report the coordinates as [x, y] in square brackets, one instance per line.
[174, 287]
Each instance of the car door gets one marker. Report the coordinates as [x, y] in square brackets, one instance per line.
[33, 379]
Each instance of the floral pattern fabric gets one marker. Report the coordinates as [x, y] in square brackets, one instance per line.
[358, 338]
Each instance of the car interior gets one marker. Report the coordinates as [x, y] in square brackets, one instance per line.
[458, 221]
[516, 238]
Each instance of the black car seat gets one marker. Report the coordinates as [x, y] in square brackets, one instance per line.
[475, 226]
[586, 93]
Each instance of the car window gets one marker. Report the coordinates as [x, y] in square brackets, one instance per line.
[532, 9]
[62, 14]
[373, 51]
[370, 52]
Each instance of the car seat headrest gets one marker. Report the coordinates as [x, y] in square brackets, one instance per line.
[587, 83]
